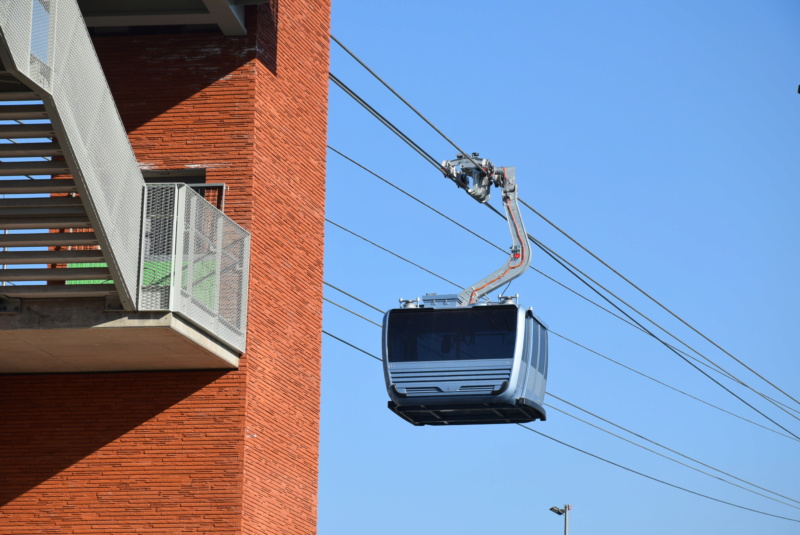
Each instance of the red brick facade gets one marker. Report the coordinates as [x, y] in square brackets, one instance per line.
[205, 451]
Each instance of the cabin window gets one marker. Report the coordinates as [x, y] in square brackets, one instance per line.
[419, 335]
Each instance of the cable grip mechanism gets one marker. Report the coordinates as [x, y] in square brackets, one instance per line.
[476, 176]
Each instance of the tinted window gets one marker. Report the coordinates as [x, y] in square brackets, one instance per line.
[543, 349]
[426, 334]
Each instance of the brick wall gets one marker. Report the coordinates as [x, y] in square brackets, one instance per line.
[202, 452]
[121, 453]
[289, 189]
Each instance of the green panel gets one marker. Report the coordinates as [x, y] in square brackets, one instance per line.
[89, 265]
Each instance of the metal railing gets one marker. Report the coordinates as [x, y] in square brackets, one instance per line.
[47, 46]
[165, 246]
[195, 262]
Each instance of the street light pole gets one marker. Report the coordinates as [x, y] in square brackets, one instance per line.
[565, 511]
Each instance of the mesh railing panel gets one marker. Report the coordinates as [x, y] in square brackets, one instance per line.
[16, 32]
[106, 165]
[195, 262]
[42, 18]
[51, 49]
[158, 242]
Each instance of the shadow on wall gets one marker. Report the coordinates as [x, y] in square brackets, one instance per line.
[268, 37]
[52, 422]
[147, 69]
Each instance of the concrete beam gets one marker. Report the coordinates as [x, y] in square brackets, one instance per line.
[57, 336]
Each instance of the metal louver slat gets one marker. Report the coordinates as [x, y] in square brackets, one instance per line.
[34, 168]
[63, 274]
[20, 187]
[49, 50]
[22, 131]
[40, 291]
[50, 257]
[21, 150]
[48, 239]
[32, 223]
[23, 111]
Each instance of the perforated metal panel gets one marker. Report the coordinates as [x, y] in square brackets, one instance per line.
[52, 51]
[158, 243]
[42, 34]
[195, 262]
[16, 32]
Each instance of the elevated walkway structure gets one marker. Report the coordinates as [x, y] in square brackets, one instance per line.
[98, 271]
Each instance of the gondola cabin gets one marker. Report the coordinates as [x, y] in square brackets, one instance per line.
[476, 364]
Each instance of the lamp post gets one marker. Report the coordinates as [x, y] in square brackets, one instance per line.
[565, 511]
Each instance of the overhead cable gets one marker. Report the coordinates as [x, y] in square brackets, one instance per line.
[609, 422]
[345, 342]
[388, 124]
[351, 296]
[654, 300]
[404, 259]
[395, 93]
[612, 463]
[351, 312]
[679, 391]
[598, 457]
[563, 262]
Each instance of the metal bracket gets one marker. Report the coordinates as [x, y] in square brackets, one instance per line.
[477, 176]
[9, 305]
[113, 304]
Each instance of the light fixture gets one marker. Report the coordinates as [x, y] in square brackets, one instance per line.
[565, 511]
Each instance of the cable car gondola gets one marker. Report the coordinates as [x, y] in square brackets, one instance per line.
[451, 359]
[465, 365]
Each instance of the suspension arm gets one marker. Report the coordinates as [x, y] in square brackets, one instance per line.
[520, 257]
[476, 176]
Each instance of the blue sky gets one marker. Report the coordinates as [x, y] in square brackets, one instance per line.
[662, 136]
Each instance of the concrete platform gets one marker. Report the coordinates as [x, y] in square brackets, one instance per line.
[80, 335]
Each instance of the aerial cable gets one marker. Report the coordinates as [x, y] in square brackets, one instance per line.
[388, 124]
[351, 296]
[423, 203]
[599, 355]
[701, 463]
[715, 367]
[654, 300]
[665, 344]
[612, 462]
[351, 345]
[351, 312]
[563, 262]
[656, 479]
[395, 93]
[684, 356]
[667, 457]
[606, 357]
[556, 227]
[404, 259]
